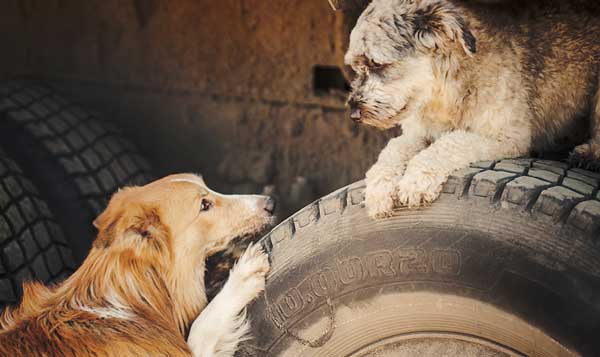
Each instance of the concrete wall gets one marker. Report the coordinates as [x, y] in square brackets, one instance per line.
[219, 87]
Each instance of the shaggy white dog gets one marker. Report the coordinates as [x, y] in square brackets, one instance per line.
[468, 84]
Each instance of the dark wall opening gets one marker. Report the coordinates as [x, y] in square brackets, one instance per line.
[329, 79]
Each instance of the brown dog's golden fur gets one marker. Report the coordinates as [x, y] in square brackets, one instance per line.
[142, 284]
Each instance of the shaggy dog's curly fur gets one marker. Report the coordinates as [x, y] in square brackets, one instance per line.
[142, 284]
[471, 81]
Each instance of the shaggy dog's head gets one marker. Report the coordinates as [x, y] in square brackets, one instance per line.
[398, 50]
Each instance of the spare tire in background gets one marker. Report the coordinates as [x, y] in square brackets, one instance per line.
[506, 262]
[75, 159]
[32, 244]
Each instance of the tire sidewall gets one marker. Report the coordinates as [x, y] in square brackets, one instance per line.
[448, 249]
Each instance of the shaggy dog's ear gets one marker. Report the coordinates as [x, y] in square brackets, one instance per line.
[438, 24]
[128, 219]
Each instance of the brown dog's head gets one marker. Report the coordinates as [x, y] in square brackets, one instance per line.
[181, 214]
[158, 236]
[398, 50]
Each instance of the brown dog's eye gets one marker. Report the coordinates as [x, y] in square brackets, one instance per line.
[205, 205]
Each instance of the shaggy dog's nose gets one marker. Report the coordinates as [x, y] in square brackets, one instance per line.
[270, 205]
[355, 112]
[356, 115]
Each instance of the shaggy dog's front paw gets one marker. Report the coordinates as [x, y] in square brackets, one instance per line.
[248, 275]
[415, 190]
[379, 199]
[380, 192]
[586, 156]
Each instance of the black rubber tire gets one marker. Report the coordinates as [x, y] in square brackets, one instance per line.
[32, 244]
[518, 237]
[75, 159]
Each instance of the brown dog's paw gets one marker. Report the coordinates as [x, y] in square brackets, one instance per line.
[248, 275]
[219, 266]
[254, 261]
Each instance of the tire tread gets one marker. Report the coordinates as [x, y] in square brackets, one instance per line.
[527, 186]
[29, 236]
[70, 149]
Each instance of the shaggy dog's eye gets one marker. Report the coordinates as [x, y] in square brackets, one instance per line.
[360, 69]
[205, 205]
[371, 63]
[377, 67]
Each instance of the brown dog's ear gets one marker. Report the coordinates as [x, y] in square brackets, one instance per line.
[144, 222]
[437, 25]
[110, 213]
[106, 223]
[131, 221]
[124, 215]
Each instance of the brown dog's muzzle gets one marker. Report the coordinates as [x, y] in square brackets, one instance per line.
[270, 205]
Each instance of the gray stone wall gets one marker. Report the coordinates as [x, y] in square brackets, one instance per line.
[224, 88]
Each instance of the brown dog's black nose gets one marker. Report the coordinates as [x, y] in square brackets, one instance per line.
[270, 205]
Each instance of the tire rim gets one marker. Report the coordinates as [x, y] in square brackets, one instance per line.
[435, 343]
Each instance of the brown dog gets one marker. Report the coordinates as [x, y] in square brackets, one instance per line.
[142, 284]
